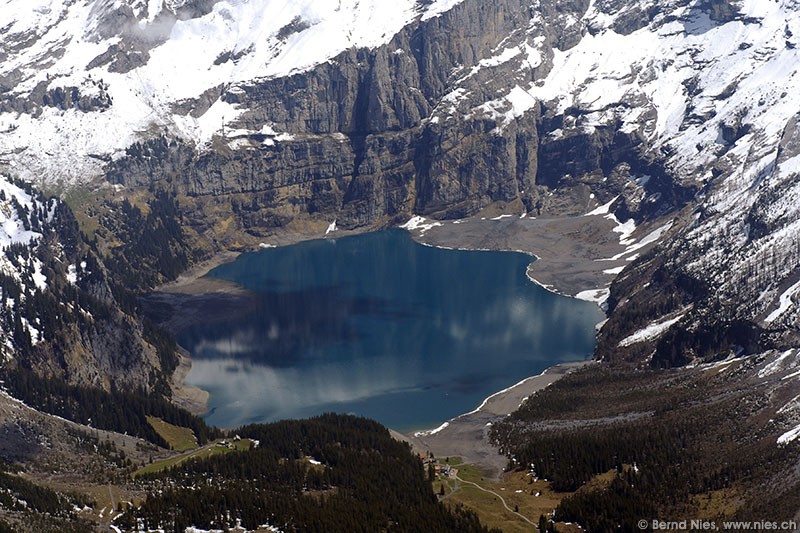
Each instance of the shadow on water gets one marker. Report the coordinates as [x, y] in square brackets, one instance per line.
[282, 328]
[373, 324]
[177, 312]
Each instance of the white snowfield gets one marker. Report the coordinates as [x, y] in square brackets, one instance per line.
[599, 296]
[745, 67]
[785, 301]
[17, 209]
[260, 38]
[779, 364]
[650, 332]
[789, 436]
[420, 224]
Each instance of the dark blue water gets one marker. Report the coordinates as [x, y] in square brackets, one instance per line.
[380, 326]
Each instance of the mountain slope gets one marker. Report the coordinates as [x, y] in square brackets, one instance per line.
[88, 79]
[676, 112]
[675, 119]
[60, 315]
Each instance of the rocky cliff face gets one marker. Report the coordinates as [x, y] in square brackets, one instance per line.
[357, 142]
[675, 111]
[59, 314]
[411, 126]
[420, 119]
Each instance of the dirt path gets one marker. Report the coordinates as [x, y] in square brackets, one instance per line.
[509, 509]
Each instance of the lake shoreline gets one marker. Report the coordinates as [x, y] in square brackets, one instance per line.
[570, 254]
[193, 282]
[451, 234]
[192, 399]
[467, 435]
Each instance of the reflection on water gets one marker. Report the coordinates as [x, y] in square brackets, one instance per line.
[380, 326]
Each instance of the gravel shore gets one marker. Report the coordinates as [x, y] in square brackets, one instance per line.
[571, 257]
[467, 435]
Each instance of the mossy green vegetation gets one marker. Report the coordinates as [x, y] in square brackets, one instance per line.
[179, 438]
[213, 449]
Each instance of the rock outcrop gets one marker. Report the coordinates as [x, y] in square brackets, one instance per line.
[406, 128]
[61, 313]
[657, 109]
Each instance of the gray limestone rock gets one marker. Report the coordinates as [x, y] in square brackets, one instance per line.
[368, 135]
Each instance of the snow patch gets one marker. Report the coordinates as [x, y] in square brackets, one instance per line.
[625, 229]
[504, 110]
[598, 296]
[505, 56]
[39, 279]
[614, 271]
[791, 405]
[790, 376]
[650, 332]
[632, 246]
[775, 366]
[602, 210]
[438, 7]
[419, 223]
[72, 274]
[12, 227]
[431, 431]
[789, 167]
[789, 436]
[786, 300]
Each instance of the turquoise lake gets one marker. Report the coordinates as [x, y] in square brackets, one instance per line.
[379, 326]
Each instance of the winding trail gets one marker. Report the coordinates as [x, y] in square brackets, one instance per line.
[509, 509]
[455, 488]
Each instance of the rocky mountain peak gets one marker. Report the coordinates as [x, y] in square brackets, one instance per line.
[681, 110]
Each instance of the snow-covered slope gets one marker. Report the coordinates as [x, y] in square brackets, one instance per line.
[704, 93]
[701, 91]
[22, 219]
[662, 104]
[58, 315]
[731, 124]
[710, 91]
[81, 81]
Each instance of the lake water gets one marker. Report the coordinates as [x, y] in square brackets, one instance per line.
[380, 326]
